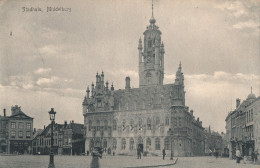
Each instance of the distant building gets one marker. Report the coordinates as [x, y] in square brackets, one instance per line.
[73, 139]
[16, 132]
[4, 134]
[151, 117]
[213, 142]
[68, 139]
[243, 126]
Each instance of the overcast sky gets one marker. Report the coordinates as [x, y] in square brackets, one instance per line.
[47, 59]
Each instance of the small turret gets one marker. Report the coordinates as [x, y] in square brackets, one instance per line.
[140, 47]
[92, 89]
[179, 76]
[107, 85]
[162, 48]
[88, 92]
[102, 76]
[112, 87]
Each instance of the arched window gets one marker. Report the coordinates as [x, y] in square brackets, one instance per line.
[89, 125]
[166, 143]
[98, 125]
[157, 144]
[149, 124]
[123, 143]
[148, 77]
[114, 125]
[131, 144]
[114, 143]
[167, 121]
[105, 143]
[148, 143]
[123, 124]
[132, 125]
[105, 125]
[140, 124]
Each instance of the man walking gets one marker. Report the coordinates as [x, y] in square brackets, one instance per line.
[138, 153]
[238, 155]
[163, 153]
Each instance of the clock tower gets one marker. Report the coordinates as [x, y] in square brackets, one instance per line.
[151, 56]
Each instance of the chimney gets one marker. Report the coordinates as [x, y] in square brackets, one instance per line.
[127, 82]
[44, 127]
[237, 102]
[65, 123]
[191, 112]
[34, 131]
[72, 121]
[4, 112]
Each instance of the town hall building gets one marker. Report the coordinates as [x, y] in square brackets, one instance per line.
[152, 117]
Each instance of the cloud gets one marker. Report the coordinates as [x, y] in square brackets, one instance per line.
[237, 8]
[51, 34]
[22, 81]
[49, 50]
[42, 71]
[47, 81]
[247, 24]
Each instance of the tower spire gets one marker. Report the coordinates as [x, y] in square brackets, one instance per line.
[152, 8]
[152, 20]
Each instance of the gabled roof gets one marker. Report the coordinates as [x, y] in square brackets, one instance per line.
[76, 128]
[46, 130]
[20, 115]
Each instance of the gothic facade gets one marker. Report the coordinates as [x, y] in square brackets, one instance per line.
[151, 117]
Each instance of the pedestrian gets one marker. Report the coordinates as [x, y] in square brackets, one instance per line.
[95, 162]
[163, 153]
[138, 153]
[238, 155]
[113, 153]
[253, 156]
[87, 152]
[216, 154]
[256, 155]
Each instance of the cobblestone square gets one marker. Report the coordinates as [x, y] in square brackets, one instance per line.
[24, 161]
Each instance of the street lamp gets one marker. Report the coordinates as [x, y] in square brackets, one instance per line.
[52, 118]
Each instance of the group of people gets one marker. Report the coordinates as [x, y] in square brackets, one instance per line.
[139, 151]
[254, 156]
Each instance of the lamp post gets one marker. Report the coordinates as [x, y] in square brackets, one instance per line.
[52, 118]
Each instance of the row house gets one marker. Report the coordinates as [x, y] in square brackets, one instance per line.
[68, 139]
[16, 132]
[242, 126]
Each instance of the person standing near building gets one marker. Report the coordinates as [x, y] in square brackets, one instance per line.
[238, 155]
[138, 153]
[163, 153]
[95, 156]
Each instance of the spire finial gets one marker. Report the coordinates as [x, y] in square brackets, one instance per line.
[152, 7]
[152, 20]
